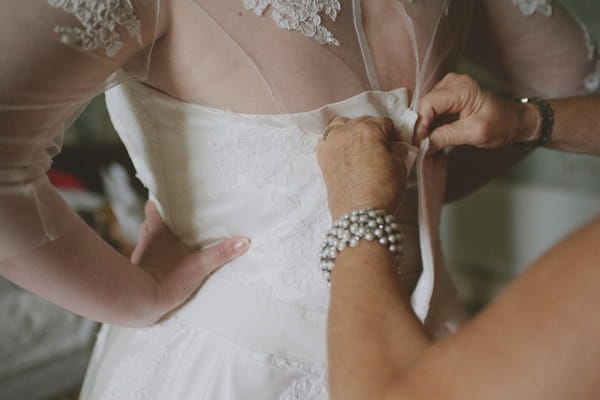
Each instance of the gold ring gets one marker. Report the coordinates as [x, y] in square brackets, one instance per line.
[329, 129]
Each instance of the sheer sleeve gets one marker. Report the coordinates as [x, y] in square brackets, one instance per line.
[533, 48]
[530, 48]
[55, 56]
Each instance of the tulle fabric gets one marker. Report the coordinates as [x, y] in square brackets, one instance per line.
[46, 80]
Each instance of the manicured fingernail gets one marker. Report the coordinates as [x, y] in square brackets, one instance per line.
[241, 245]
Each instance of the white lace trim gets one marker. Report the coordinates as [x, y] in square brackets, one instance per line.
[592, 81]
[311, 385]
[300, 15]
[530, 7]
[590, 44]
[99, 19]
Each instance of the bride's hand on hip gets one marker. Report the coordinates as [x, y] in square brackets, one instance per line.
[363, 165]
[178, 270]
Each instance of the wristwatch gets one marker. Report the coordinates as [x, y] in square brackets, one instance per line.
[546, 125]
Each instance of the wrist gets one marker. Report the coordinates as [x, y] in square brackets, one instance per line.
[529, 122]
[358, 225]
[147, 302]
[544, 126]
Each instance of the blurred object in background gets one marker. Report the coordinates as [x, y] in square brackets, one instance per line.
[494, 233]
[44, 350]
[124, 202]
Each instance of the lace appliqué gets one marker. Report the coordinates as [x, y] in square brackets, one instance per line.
[311, 386]
[100, 19]
[530, 7]
[301, 15]
[591, 83]
[147, 372]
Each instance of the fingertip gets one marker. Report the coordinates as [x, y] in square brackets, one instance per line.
[151, 212]
[434, 146]
[241, 245]
[421, 129]
[148, 206]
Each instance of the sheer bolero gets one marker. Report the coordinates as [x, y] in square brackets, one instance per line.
[251, 56]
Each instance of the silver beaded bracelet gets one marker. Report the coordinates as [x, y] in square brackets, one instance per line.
[349, 229]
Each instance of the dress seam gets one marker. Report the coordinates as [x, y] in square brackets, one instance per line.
[178, 365]
[226, 339]
[214, 370]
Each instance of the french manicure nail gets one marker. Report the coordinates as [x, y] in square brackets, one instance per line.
[241, 245]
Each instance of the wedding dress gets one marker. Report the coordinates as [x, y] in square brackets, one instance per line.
[220, 104]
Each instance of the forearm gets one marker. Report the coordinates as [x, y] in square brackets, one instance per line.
[82, 273]
[373, 335]
[576, 125]
[538, 340]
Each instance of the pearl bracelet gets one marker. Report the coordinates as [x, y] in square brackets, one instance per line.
[349, 229]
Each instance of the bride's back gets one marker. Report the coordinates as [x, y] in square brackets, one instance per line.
[232, 54]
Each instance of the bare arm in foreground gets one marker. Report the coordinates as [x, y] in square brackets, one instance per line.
[538, 340]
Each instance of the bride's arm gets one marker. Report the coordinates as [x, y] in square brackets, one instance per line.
[528, 55]
[538, 340]
[54, 56]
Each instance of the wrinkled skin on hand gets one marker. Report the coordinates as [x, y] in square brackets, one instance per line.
[363, 164]
[457, 111]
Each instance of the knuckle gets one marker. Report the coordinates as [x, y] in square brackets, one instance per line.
[450, 77]
[462, 78]
[484, 132]
[447, 135]
[225, 253]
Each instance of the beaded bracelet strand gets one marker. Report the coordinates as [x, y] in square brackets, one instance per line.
[349, 229]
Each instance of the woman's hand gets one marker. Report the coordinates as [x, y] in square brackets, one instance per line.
[177, 270]
[361, 166]
[479, 118]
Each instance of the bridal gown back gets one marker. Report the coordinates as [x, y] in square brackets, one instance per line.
[220, 104]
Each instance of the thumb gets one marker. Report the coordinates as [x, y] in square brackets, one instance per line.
[453, 134]
[438, 102]
[204, 262]
[190, 274]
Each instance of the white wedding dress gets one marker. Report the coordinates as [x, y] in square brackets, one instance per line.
[221, 122]
[256, 329]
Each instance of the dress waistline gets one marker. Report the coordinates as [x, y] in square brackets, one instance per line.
[256, 321]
